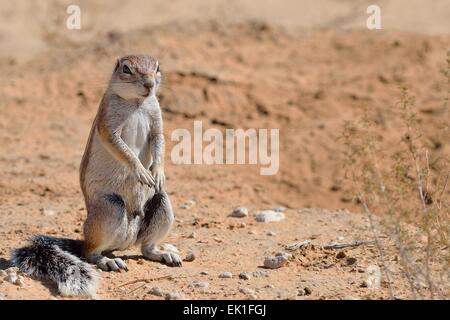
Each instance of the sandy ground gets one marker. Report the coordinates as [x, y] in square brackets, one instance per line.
[232, 74]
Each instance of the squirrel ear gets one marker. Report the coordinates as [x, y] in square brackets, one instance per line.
[117, 65]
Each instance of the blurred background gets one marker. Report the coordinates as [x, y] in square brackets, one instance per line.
[303, 66]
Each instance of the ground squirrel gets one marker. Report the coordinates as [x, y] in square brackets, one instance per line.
[122, 179]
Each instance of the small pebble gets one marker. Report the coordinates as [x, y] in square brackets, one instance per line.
[260, 274]
[269, 216]
[269, 286]
[225, 275]
[12, 270]
[239, 212]
[174, 295]
[11, 278]
[275, 262]
[350, 261]
[340, 255]
[48, 212]
[193, 235]
[156, 291]
[245, 275]
[200, 284]
[373, 280]
[246, 291]
[271, 233]
[190, 257]
[204, 273]
[279, 209]
[188, 204]
[20, 282]
[308, 291]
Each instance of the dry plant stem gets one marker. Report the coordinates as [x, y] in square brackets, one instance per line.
[356, 243]
[145, 280]
[412, 147]
[379, 247]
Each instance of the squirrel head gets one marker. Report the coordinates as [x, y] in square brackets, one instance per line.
[136, 77]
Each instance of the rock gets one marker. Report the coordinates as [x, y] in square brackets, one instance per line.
[269, 286]
[260, 274]
[284, 254]
[204, 273]
[190, 257]
[188, 204]
[373, 280]
[48, 212]
[340, 238]
[279, 209]
[307, 290]
[269, 216]
[20, 281]
[271, 233]
[253, 232]
[350, 261]
[297, 245]
[14, 270]
[174, 295]
[200, 284]
[340, 255]
[169, 247]
[275, 262]
[246, 291]
[193, 235]
[249, 293]
[245, 275]
[301, 292]
[225, 275]
[11, 278]
[239, 212]
[156, 291]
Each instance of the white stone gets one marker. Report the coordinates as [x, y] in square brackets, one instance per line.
[275, 262]
[239, 212]
[269, 216]
[200, 284]
[225, 275]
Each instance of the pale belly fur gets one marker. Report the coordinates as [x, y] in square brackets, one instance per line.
[106, 175]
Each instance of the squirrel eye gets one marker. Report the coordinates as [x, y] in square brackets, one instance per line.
[125, 69]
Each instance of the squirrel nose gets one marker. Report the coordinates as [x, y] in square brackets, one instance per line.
[149, 84]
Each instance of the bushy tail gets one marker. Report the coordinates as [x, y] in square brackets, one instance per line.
[57, 259]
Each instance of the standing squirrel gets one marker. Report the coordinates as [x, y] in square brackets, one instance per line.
[122, 179]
